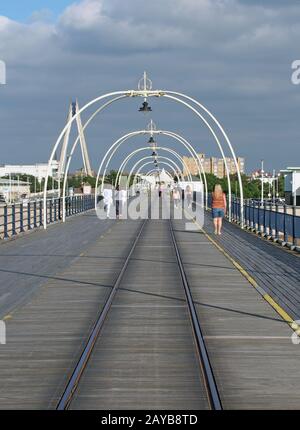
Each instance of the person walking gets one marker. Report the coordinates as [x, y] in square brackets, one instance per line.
[176, 196]
[108, 200]
[218, 207]
[188, 195]
[122, 200]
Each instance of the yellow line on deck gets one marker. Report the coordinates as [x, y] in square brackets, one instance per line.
[284, 315]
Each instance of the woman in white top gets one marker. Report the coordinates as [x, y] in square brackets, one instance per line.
[176, 196]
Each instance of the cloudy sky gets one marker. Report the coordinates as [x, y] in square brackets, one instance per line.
[234, 56]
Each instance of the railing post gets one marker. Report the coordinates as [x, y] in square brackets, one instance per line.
[59, 209]
[50, 210]
[285, 234]
[264, 229]
[41, 213]
[270, 220]
[276, 220]
[55, 208]
[294, 226]
[28, 217]
[21, 218]
[13, 219]
[5, 223]
[34, 215]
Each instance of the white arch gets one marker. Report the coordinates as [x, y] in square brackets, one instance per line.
[69, 156]
[227, 141]
[117, 143]
[150, 172]
[149, 93]
[146, 148]
[162, 162]
[217, 141]
[185, 143]
[147, 157]
[68, 124]
[154, 170]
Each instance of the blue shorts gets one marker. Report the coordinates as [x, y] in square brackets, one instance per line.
[217, 213]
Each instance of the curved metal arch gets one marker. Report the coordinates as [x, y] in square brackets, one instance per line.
[146, 148]
[146, 93]
[118, 143]
[69, 156]
[185, 143]
[162, 162]
[149, 173]
[182, 140]
[217, 141]
[227, 141]
[147, 157]
[68, 124]
[155, 170]
[139, 169]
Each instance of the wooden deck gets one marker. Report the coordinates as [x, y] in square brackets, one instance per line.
[145, 357]
[255, 363]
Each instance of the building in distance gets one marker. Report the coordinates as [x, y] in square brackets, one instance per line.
[38, 170]
[213, 165]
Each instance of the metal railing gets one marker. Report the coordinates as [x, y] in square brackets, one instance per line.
[273, 220]
[16, 218]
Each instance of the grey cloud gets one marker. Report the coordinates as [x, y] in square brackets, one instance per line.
[233, 56]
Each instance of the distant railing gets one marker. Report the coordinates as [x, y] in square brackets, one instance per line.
[16, 218]
[272, 220]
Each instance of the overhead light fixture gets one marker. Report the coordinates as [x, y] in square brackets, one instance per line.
[145, 107]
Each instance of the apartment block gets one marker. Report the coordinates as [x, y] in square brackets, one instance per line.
[213, 165]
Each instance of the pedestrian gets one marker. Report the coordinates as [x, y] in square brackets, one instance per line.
[188, 195]
[218, 207]
[117, 200]
[176, 196]
[122, 201]
[108, 199]
[159, 190]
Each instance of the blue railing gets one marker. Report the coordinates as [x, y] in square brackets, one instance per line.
[19, 217]
[272, 220]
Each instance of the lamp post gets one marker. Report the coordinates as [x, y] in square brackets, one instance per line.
[277, 184]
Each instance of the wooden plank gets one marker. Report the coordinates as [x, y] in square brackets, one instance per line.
[256, 365]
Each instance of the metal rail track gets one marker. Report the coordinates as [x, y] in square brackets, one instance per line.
[205, 365]
[73, 382]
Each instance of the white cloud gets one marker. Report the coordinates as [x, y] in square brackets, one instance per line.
[233, 55]
[84, 15]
